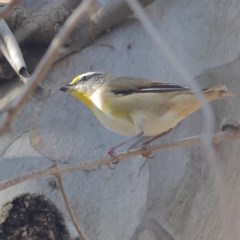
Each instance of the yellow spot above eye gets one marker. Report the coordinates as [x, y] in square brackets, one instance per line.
[76, 79]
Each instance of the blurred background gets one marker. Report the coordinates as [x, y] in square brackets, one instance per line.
[171, 197]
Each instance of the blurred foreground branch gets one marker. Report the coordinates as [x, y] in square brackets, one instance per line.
[7, 8]
[164, 48]
[45, 63]
[109, 15]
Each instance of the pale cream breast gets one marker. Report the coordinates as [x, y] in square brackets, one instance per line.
[154, 125]
[152, 122]
[151, 125]
[117, 125]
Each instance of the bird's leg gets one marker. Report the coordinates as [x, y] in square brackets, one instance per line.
[146, 144]
[157, 137]
[112, 153]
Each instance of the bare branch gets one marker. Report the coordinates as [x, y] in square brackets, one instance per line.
[30, 27]
[64, 195]
[45, 63]
[6, 9]
[53, 170]
[26, 23]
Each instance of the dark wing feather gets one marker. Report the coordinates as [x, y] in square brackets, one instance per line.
[136, 85]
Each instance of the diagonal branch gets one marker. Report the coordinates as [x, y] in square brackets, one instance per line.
[54, 170]
[7, 8]
[30, 27]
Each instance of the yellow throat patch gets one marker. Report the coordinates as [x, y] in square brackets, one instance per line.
[83, 97]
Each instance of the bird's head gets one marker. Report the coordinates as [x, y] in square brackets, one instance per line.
[83, 86]
[86, 83]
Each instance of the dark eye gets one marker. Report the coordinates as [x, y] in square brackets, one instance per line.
[84, 78]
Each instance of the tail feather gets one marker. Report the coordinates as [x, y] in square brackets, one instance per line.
[185, 104]
[220, 91]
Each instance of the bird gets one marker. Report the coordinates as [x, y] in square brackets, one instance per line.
[138, 107]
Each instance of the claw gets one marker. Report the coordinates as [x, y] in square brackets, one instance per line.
[115, 160]
[109, 166]
[114, 155]
[149, 153]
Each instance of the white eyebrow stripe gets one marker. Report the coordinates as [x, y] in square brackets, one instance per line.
[89, 74]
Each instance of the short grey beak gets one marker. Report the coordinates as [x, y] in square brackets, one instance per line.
[64, 89]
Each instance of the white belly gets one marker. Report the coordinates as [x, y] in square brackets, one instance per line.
[151, 125]
[117, 125]
[155, 125]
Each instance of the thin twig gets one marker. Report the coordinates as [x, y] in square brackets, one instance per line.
[224, 198]
[6, 9]
[176, 64]
[46, 62]
[216, 138]
[64, 195]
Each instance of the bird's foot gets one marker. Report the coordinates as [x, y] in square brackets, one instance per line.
[148, 151]
[115, 158]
